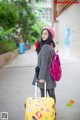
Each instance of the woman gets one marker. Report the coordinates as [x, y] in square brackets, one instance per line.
[44, 58]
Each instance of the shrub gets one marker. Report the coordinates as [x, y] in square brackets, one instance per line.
[7, 46]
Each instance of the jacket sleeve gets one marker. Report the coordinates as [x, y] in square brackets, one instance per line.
[44, 61]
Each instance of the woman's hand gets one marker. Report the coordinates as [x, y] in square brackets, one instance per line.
[41, 81]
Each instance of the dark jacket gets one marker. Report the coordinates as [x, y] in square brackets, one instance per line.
[44, 58]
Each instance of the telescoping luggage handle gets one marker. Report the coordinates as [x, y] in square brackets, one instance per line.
[36, 88]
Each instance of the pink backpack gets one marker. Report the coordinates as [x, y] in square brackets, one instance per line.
[55, 69]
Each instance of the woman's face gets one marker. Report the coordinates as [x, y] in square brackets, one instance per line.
[45, 35]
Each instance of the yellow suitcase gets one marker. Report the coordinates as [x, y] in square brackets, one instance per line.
[40, 108]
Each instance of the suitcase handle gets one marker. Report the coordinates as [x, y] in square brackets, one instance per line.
[36, 87]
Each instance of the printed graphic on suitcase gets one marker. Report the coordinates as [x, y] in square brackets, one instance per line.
[40, 108]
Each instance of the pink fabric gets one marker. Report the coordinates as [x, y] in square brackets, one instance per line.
[52, 31]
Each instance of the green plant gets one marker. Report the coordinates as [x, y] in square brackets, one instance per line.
[5, 34]
[36, 32]
[8, 17]
[23, 19]
[7, 46]
[26, 18]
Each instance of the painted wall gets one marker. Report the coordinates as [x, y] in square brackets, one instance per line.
[70, 18]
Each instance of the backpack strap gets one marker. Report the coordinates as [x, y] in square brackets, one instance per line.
[51, 47]
[50, 64]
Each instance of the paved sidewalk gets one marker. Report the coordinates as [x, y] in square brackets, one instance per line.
[15, 86]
